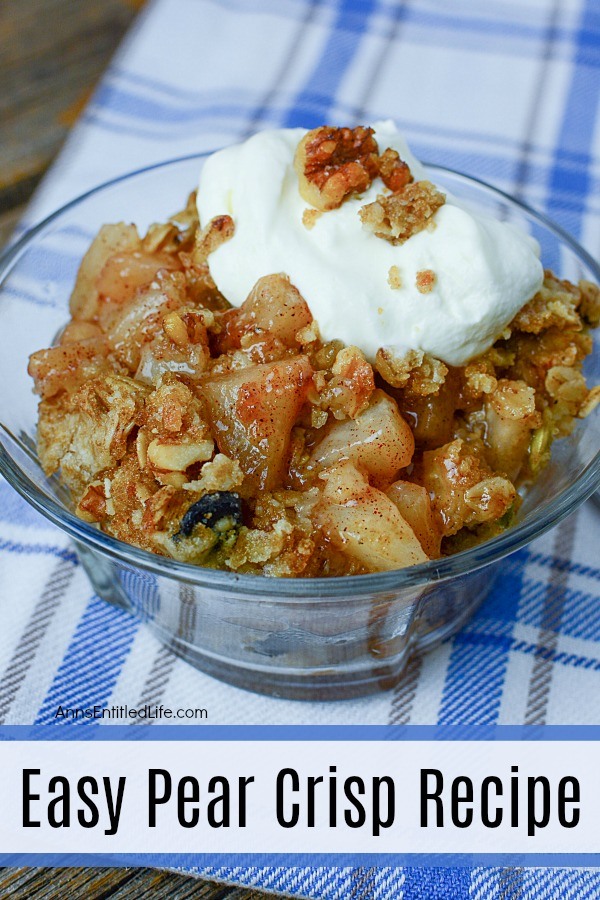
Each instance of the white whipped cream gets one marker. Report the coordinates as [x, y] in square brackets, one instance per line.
[485, 270]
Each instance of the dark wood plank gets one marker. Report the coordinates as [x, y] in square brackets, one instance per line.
[52, 53]
[117, 884]
[8, 222]
[68, 882]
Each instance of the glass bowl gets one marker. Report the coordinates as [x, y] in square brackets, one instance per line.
[302, 638]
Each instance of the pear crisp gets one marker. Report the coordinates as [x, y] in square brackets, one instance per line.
[237, 438]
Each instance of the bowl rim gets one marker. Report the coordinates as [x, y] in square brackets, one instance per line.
[289, 589]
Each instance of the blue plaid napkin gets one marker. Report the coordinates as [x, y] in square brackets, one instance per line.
[507, 91]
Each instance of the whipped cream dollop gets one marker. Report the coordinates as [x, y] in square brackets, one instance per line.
[485, 270]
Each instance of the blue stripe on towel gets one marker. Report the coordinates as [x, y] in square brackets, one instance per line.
[336, 56]
[579, 122]
[93, 661]
[476, 670]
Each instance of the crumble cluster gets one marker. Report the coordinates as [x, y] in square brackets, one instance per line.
[335, 163]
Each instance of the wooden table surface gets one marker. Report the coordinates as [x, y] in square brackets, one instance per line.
[52, 53]
[117, 884]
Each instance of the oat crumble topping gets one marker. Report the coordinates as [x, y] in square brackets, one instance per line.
[425, 281]
[421, 373]
[310, 216]
[397, 217]
[394, 278]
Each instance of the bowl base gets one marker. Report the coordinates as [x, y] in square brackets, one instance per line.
[342, 683]
[311, 658]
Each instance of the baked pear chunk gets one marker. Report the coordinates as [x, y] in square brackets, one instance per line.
[252, 412]
[365, 524]
[378, 441]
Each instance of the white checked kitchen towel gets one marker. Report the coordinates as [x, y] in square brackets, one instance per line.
[507, 91]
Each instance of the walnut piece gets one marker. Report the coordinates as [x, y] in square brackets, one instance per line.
[333, 163]
[396, 217]
[394, 172]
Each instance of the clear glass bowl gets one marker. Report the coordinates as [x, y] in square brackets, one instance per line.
[302, 638]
